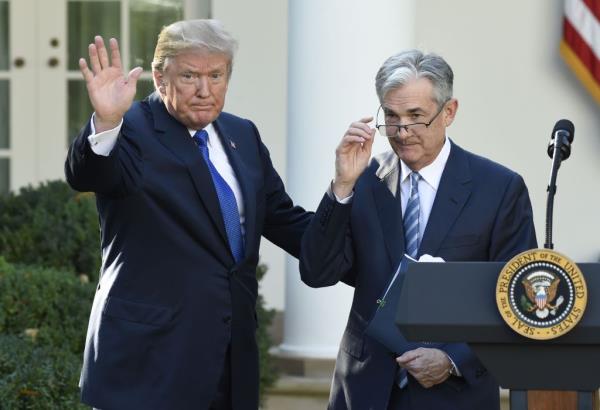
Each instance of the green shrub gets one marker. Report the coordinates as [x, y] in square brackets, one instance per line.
[51, 225]
[268, 372]
[43, 319]
[37, 377]
[54, 303]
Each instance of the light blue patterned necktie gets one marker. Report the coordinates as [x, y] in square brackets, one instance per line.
[229, 208]
[411, 217]
[412, 242]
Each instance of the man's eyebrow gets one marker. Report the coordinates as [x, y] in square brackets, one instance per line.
[415, 110]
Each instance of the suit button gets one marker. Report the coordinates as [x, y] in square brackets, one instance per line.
[227, 320]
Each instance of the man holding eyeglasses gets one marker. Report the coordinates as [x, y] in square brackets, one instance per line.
[184, 193]
[425, 196]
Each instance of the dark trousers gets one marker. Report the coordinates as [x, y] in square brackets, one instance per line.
[399, 399]
[222, 400]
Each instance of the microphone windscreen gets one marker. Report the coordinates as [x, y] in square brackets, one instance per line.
[564, 125]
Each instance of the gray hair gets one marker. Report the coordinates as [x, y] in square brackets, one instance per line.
[409, 65]
[186, 35]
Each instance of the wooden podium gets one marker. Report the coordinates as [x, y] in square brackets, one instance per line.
[455, 302]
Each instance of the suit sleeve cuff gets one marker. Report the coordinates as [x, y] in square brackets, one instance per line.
[454, 370]
[103, 142]
[333, 196]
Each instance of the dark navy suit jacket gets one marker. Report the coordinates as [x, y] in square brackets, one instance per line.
[481, 212]
[171, 298]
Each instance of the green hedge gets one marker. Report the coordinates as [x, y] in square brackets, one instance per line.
[53, 226]
[49, 236]
[43, 319]
[268, 371]
[36, 377]
[55, 303]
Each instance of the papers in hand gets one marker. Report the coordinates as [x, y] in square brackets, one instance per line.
[401, 268]
[382, 326]
[423, 258]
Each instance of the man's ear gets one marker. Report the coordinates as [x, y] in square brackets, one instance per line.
[159, 81]
[450, 111]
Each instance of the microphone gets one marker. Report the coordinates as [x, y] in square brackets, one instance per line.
[562, 137]
[562, 134]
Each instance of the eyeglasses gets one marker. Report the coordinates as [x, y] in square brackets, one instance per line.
[393, 130]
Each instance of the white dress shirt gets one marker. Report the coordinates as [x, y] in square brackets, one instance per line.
[103, 143]
[428, 185]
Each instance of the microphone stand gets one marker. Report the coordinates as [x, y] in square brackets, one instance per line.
[556, 160]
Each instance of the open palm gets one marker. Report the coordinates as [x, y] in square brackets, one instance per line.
[111, 92]
[352, 156]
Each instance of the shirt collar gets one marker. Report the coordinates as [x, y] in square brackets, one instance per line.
[210, 129]
[432, 173]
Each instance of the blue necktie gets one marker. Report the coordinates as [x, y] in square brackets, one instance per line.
[411, 239]
[229, 208]
[411, 217]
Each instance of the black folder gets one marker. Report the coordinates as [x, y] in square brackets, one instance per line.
[382, 326]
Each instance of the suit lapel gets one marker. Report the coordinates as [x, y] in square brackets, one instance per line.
[453, 192]
[175, 137]
[386, 194]
[232, 149]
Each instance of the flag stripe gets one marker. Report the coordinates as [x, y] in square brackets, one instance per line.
[580, 70]
[582, 50]
[594, 7]
[585, 23]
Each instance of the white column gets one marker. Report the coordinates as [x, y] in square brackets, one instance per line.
[196, 9]
[335, 50]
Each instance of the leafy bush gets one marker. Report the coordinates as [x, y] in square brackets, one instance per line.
[268, 372]
[53, 226]
[43, 318]
[36, 377]
[55, 304]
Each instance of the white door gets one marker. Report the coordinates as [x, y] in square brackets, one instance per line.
[43, 101]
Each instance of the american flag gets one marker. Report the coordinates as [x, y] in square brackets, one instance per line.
[580, 45]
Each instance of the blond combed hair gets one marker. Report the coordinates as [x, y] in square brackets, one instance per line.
[187, 35]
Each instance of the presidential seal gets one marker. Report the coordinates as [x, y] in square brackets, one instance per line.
[541, 294]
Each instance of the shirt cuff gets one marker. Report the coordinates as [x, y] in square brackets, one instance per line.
[103, 142]
[342, 201]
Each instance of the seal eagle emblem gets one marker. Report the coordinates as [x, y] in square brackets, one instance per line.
[540, 288]
[541, 294]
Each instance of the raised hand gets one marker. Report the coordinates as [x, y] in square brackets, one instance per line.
[111, 93]
[352, 156]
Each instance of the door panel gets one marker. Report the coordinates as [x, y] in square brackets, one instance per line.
[50, 71]
[4, 30]
[4, 114]
[23, 89]
[4, 98]
[146, 19]
[87, 19]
